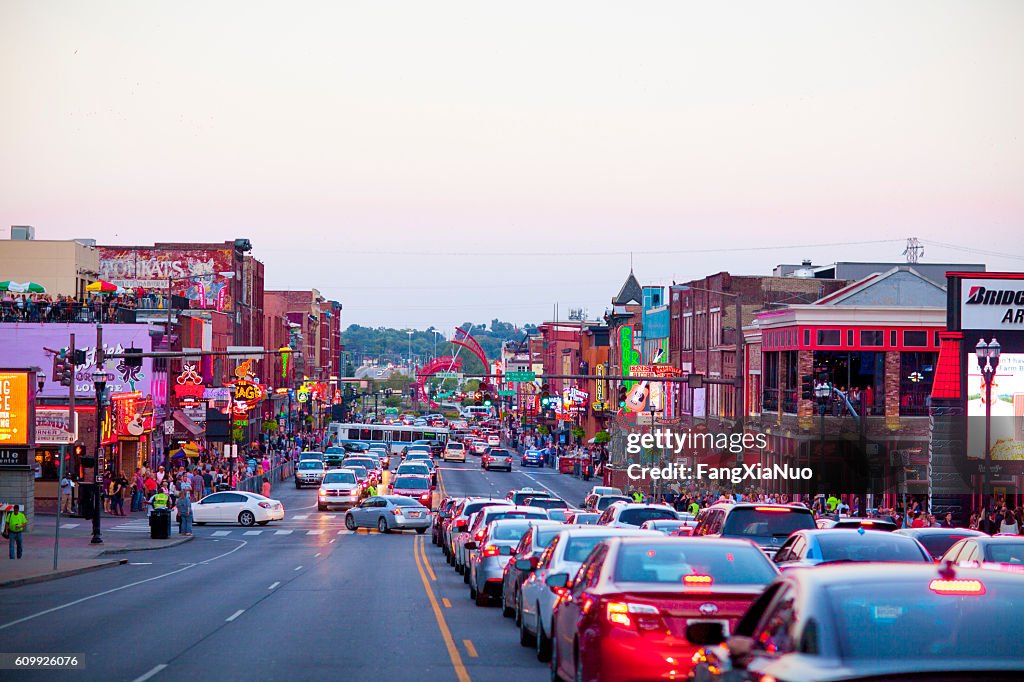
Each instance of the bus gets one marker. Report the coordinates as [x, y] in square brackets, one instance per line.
[392, 436]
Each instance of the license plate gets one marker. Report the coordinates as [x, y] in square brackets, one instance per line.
[723, 623]
[413, 514]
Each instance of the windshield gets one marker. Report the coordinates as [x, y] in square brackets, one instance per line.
[753, 524]
[937, 544]
[358, 471]
[509, 531]
[836, 546]
[542, 537]
[883, 620]
[517, 498]
[578, 548]
[1005, 552]
[340, 477]
[635, 517]
[361, 462]
[412, 483]
[455, 446]
[311, 464]
[546, 503]
[498, 452]
[414, 470]
[515, 515]
[670, 563]
[606, 502]
[474, 507]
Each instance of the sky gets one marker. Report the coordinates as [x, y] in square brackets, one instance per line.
[431, 163]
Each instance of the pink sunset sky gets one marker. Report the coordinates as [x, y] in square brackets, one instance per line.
[435, 163]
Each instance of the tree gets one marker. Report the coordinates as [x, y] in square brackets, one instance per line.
[269, 425]
[393, 401]
[237, 435]
[602, 437]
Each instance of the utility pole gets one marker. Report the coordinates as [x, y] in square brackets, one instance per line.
[64, 449]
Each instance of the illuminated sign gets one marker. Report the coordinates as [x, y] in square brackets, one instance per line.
[1007, 423]
[14, 408]
[189, 384]
[248, 392]
[53, 426]
[990, 303]
[600, 391]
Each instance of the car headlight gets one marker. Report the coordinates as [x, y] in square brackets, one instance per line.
[323, 492]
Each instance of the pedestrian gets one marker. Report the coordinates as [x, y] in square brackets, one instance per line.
[266, 487]
[184, 507]
[117, 496]
[138, 491]
[16, 523]
[1009, 525]
[66, 486]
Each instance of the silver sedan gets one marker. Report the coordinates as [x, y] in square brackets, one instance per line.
[387, 513]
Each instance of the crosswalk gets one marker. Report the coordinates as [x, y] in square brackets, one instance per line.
[134, 526]
[142, 526]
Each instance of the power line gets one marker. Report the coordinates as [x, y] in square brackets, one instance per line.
[971, 249]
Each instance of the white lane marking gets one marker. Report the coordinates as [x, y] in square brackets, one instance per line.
[298, 568]
[234, 615]
[301, 517]
[316, 555]
[70, 525]
[242, 544]
[344, 531]
[140, 563]
[153, 671]
[252, 532]
[220, 533]
[274, 585]
[315, 532]
[331, 542]
[530, 476]
[283, 532]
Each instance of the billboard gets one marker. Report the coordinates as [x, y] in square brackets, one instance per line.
[1007, 424]
[193, 273]
[53, 426]
[28, 343]
[14, 408]
[992, 303]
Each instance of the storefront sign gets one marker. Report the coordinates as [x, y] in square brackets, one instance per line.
[14, 408]
[14, 458]
[189, 384]
[991, 304]
[600, 391]
[201, 275]
[248, 392]
[53, 427]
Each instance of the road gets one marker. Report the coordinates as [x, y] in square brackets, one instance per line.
[299, 599]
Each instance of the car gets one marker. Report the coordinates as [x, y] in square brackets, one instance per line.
[333, 460]
[634, 514]
[590, 501]
[1000, 552]
[669, 526]
[806, 548]
[938, 540]
[387, 513]
[768, 525]
[416, 487]
[602, 502]
[532, 458]
[582, 518]
[340, 488]
[422, 449]
[546, 502]
[489, 554]
[560, 515]
[893, 622]
[479, 447]
[311, 454]
[444, 511]
[856, 522]
[493, 439]
[531, 546]
[371, 464]
[413, 469]
[627, 611]
[420, 444]
[309, 472]
[519, 496]
[496, 458]
[458, 526]
[236, 506]
[382, 454]
[535, 601]
[454, 452]
[474, 531]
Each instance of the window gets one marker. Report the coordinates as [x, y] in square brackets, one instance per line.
[775, 634]
[807, 337]
[828, 337]
[917, 372]
[849, 337]
[872, 338]
[915, 339]
[892, 338]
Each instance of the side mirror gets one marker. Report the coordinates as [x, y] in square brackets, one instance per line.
[525, 565]
[705, 633]
[470, 545]
[557, 580]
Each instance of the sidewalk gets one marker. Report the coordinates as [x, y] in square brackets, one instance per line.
[77, 554]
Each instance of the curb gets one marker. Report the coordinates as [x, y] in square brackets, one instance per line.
[55, 575]
[126, 550]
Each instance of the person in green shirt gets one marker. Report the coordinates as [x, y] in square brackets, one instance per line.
[16, 523]
[832, 503]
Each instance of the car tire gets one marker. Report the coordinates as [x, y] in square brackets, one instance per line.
[421, 531]
[472, 591]
[246, 518]
[519, 608]
[482, 598]
[579, 663]
[525, 637]
[543, 641]
[465, 574]
[555, 677]
[350, 523]
[506, 610]
[382, 525]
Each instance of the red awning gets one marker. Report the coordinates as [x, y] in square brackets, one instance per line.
[190, 426]
[946, 384]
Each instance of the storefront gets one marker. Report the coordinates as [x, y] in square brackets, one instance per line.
[133, 430]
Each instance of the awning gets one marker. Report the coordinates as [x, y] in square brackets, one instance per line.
[190, 426]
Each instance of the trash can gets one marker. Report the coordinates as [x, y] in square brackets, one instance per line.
[160, 524]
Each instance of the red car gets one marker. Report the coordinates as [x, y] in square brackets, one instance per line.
[624, 615]
[416, 487]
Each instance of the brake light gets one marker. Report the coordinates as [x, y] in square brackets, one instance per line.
[698, 580]
[772, 509]
[461, 525]
[628, 614]
[397, 511]
[265, 505]
[964, 587]
[479, 535]
[491, 550]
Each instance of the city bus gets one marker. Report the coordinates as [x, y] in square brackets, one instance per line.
[392, 436]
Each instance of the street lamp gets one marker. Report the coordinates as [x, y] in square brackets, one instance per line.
[410, 333]
[988, 361]
[99, 380]
[436, 333]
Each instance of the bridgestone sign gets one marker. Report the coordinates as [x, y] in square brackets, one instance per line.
[992, 304]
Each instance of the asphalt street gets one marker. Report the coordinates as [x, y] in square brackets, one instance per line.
[299, 599]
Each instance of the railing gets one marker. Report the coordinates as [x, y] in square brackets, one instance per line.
[254, 484]
[64, 313]
[789, 401]
[770, 400]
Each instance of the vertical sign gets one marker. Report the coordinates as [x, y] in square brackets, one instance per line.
[14, 408]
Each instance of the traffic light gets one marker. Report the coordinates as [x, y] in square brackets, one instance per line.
[63, 368]
[79, 450]
[545, 397]
[807, 387]
[622, 396]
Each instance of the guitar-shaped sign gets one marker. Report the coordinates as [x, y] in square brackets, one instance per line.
[636, 399]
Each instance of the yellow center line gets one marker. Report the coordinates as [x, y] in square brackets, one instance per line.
[453, 652]
[423, 557]
[470, 649]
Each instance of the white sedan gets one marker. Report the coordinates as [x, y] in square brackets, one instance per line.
[236, 506]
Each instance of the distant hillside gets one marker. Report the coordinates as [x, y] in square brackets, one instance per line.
[386, 344]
